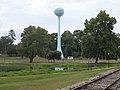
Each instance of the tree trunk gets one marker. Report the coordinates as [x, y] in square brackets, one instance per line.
[96, 61]
[54, 60]
[116, 58]
[31, 60]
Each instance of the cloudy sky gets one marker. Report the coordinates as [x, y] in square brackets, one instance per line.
[19, 14]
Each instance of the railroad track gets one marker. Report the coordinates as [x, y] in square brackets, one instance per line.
[110, 81]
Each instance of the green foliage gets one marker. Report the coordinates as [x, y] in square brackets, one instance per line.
[99, 39]
[53, 42]
[88, 50]
[78, 34]
[12, 34]
[68, 43]
[54, 55]
[117, 40]
[6, 43]
[12, 50]
[71, 43]
[20, 50]
[34, 42]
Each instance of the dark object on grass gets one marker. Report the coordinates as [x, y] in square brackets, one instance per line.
[54, 55]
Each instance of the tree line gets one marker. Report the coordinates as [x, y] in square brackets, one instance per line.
[6, 44]
[97, 40]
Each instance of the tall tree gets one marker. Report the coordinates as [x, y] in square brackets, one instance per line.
[53, 42]
[12, 34]
[34, 42]
[100, 29]
[11, 50]
[68, 43]
[117, 45]
[6, 42]
[78, 34]
[20, 50]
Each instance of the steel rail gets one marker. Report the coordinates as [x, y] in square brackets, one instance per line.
[84, 86]
[109, 87]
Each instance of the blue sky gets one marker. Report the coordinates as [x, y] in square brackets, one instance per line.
[19, 14]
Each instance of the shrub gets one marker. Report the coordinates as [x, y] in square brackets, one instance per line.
[54, 55]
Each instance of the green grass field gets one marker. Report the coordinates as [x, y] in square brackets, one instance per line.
[49, 81]
[42, 75]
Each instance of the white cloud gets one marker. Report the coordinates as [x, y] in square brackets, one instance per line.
[17, 14]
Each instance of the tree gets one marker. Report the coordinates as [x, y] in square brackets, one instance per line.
[53, 42]
[11, 51]
[68, 43]
[88, 46]
[6, 43]
[99, 29]
[20, 50]
[54, 55]
[117, 43]
[34, 42]
[12, 34]
[78, 34]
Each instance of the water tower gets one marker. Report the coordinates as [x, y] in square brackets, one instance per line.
[59, 12]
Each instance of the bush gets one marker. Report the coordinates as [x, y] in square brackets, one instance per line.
[54, 55]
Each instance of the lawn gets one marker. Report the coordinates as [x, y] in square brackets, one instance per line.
[42, 75]
[49, 81]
